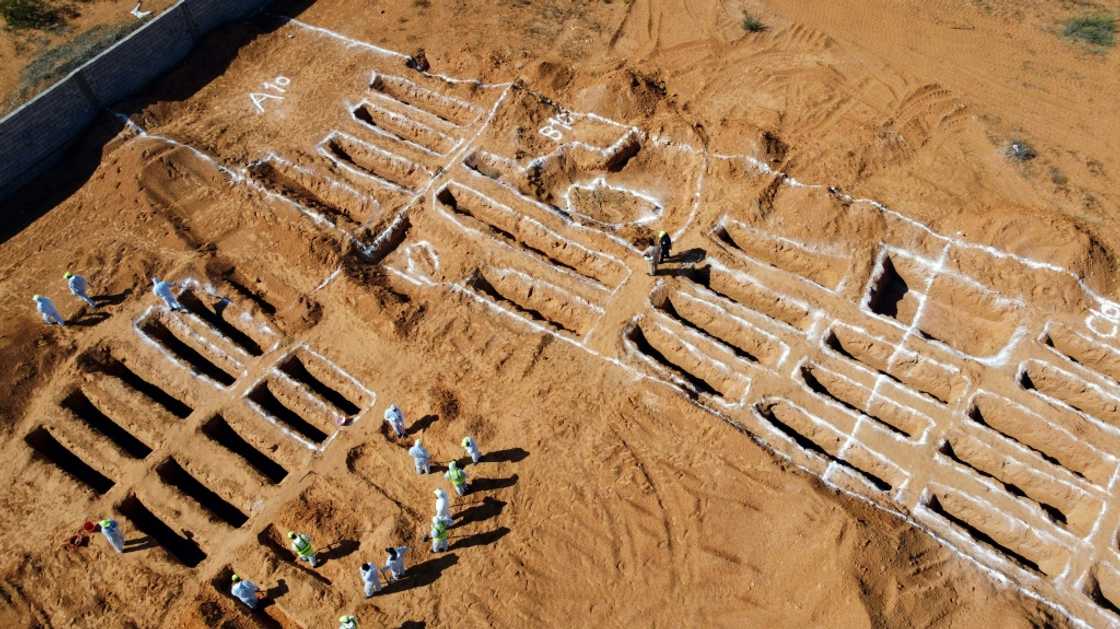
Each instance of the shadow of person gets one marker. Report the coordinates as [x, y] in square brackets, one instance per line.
[479, 539]
[111, 300]
[422, 574]
[413, 624]
[509, 455]
[422, 424]
[338, 550]
[701, 276]
[489, 507]
[139, 543]
[490, 484]
[690, 256]
[86, 320]
[276, 591]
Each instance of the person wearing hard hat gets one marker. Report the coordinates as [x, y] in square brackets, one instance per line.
[78, 287]
[471, 447]
[458, 478]
[46, 307]
[665, 245]
[347, 622]
[245, 591]
[420, 458]
[112, 533]
[301, 543]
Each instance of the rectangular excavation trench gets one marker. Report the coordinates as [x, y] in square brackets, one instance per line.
[173, 475]
[525, 233]
[213, 317]
[807, 435]
[1066, 387]
[219, 431]
[954, 311]
[241, 287]
[521, 299]
[272, 406]
[988, 532]
[403, 175]
[1102, 586]
[1056, 503]
[1056, 447]
[295, 368]
[301, 191]
[939, 382]
[850, 397]
[198, 363]
[184, 550]
[80, 405]
[752, 296]
[710, 319]
[826, 271]
[446, 108]
[1095, 356]
[116, 368]
[696, 385]
[403, 128]
[43, 443]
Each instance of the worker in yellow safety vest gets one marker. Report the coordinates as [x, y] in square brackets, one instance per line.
[458, 478]
[301, 543]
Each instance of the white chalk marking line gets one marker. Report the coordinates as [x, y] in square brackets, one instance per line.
[726, 313]
[403, 121]
[404, 162]
[1100, 423]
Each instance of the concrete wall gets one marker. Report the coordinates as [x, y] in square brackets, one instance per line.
[34, 137]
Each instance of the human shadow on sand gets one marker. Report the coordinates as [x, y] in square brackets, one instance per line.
[422, 574]
[490, 507]
[509, 455]
[491, 484]
[479, 539]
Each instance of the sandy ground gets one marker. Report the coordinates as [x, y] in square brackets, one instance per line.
[826, 411]
[81, 20]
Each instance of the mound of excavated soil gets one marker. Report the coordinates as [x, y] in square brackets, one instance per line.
[877, 383]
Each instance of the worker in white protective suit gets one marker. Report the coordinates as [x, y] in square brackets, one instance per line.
[443, 512]
[420, 458]
[245, 591]
[394, 563]
[162, 289]
[347, 622]
[471, 446]
[439, 535]
[78, 287]
[458, 478]
[395, 418]
[371, 579]
[112, 532]
[46, 307]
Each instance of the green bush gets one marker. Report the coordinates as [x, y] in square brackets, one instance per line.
[751, 24]
[1099, 30]
[29, 14]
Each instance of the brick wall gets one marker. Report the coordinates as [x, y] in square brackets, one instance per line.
[34, 137]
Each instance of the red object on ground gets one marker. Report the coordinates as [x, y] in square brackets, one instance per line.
[89, 527]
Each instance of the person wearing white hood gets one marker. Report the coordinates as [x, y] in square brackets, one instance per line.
[395, 418]
[420, 457]
[443, 512]
[162, 289]
[46, 308]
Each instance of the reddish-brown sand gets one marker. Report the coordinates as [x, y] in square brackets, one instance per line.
[80, 22]
[625, 483]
